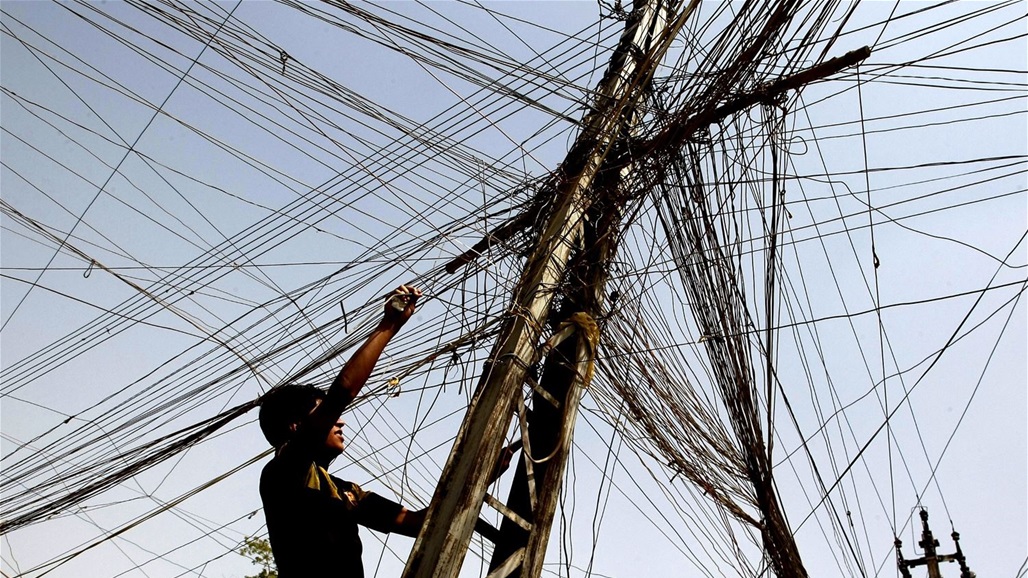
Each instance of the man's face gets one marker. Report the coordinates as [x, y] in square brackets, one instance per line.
[334, 441]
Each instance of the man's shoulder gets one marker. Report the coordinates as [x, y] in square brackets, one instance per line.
[275, 465]
[290, 456]
[271, 474]
[283, 470]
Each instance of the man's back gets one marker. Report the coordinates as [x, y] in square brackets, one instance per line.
[312, 518]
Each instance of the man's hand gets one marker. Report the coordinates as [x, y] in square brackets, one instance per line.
[400, 306]
[355, 373]
[410, 523]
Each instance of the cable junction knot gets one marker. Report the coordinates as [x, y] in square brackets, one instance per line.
[584, 324]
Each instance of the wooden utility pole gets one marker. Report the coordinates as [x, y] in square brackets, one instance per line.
[443, 542]
[578, 233]
[535, 489]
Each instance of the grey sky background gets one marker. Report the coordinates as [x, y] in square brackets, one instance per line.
[249, 185]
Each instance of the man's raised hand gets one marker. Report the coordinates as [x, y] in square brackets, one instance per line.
[400, 305]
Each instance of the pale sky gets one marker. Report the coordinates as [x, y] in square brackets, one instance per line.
[307, 154]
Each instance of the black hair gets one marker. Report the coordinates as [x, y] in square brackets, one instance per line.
[285, 405]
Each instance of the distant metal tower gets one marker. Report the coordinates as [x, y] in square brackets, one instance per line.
[931, 558]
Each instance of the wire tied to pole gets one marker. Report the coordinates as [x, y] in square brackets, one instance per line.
[590, 331]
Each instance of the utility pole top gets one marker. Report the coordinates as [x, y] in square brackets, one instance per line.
[931, 557]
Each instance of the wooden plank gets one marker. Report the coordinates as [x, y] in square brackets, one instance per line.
[550, 484]
[508, 566]
[542, 392]
[507, 512]
[526, 452]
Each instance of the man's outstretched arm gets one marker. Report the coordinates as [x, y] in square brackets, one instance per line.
[347, 385]
[409, 522]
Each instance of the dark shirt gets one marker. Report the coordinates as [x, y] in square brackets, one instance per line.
[312, 518]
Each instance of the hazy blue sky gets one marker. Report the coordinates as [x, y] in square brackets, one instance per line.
[250, 184]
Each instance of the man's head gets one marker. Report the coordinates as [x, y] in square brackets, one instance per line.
[284, 407]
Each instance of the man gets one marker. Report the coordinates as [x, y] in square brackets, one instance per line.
[313, 516]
